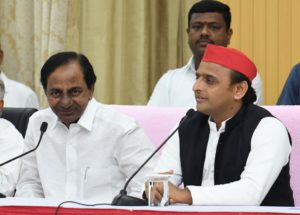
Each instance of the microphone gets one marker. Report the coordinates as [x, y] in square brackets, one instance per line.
[122, 199]
[43, 129]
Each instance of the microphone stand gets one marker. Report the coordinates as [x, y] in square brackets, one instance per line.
[43, 129]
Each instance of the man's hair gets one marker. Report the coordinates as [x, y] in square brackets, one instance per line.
[250, 95]
[64, 58]
[205, 6]
[2, 90]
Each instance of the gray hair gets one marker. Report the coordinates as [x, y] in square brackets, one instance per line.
[2, 89]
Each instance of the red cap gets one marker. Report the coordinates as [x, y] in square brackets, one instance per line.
[230, 58]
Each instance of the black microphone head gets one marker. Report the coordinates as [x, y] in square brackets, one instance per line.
[44, 126]
[190, 113]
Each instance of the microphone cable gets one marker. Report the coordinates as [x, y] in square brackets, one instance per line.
[77, 203]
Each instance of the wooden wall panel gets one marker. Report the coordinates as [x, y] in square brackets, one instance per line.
[268, 31]
[259, 36]
[247, 27]
[271, 77]
[235, 7]
[284, 41]
[295, 32]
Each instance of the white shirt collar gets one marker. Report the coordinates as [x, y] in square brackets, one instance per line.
[4, 79]
[191, 64]
[86, 119]
[213, 125]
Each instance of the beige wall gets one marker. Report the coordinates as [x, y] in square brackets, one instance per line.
[268, 31]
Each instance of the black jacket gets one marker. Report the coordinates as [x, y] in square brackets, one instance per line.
[232, 152]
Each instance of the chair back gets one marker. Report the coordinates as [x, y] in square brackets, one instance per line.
[19, 117]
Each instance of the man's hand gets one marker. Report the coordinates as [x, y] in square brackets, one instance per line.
[179, 195]
[176, 195]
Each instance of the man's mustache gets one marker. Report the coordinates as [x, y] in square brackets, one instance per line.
[203, 40]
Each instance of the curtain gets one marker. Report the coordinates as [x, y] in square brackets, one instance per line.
[31, 31]
[130, 43]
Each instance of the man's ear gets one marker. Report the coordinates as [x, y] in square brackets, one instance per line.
[240, 89]
[229, 35]
[92, 91]
[1, 105]
[1, 56]
[188, 30]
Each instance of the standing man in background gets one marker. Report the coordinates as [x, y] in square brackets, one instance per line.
[16, 93]
[290, 94]
[11, 145]
[208, 23]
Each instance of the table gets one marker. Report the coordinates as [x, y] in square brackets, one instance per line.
[19, 206]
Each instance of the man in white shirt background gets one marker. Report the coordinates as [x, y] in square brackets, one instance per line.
[208, 23]
[230, 152]
[11, 145]
[16, 93]
[89, 149]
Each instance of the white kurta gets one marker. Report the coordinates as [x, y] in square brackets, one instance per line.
[270, 150]
[89, 161]
[175, 88]
[18, 94]
[11, 145]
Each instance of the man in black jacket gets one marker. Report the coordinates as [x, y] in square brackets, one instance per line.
[231, 152]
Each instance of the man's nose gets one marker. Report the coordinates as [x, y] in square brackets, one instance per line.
[66, 101]
[204, 31]
[197, 85]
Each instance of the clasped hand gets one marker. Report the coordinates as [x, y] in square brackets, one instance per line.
[176, 195]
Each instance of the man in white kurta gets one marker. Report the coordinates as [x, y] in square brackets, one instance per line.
[11, 145]
[89, 150]
[91, 160]
[265, 165]
[208, 23]
[16, 93]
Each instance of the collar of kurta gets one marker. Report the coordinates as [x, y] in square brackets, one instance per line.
[86, 119]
